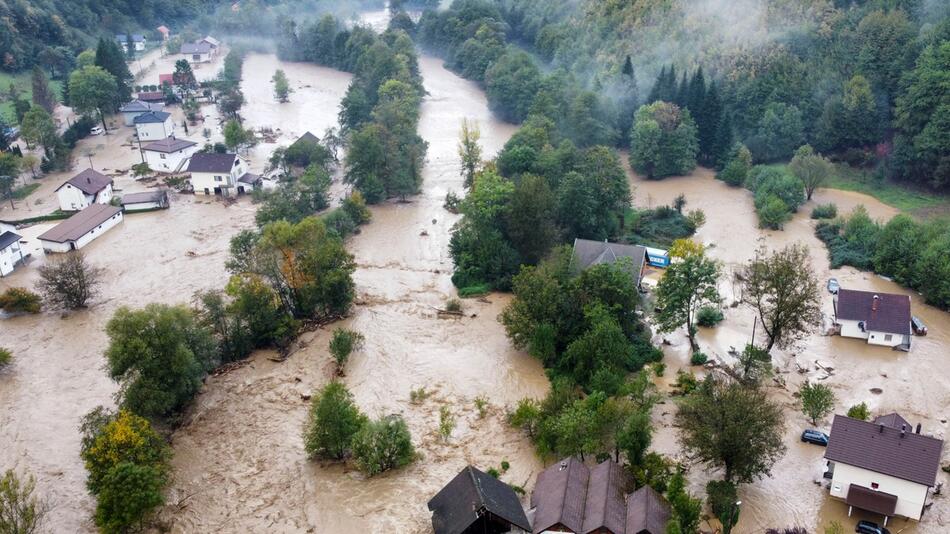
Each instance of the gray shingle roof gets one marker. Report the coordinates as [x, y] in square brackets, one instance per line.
[168, 145]
[88, 181]
[196, 48]
[470, 495]
[891, 313]
[587, 253]
[80, 224]
[882, 449]
[203, 162]
[605, 509]
[8, 238]
[152, 117]
[560, 496]
[647, 511]
[136, 106]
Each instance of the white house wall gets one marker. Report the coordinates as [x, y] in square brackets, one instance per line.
[850, 328]
[881, 338]
[155, 131]
[206, 180]
[85, 239]
[9, 258]
[170, 162]
[910, 495]
[72, 198]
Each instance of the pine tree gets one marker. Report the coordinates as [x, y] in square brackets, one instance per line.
[669, 85]
[709, 124]
[629, 101]
[696, 96]
[658, 86]
[722, 143]
[42, 94]
[111, 58]
[682, 92]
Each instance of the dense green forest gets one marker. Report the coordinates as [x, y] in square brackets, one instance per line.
[859, 81]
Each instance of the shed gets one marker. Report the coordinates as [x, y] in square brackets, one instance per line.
[145, 201]
[80, 229]
[475, 503]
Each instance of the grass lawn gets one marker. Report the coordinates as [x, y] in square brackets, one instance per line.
[22, 192]
[24, 85]
[903, 197]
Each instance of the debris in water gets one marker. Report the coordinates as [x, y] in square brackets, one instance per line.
[423, 233]
[877, 391]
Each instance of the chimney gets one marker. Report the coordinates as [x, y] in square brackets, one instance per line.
[903, 430]
[563, 466]
[880, 428]
[874, 305]
[88, 180]
[918, 428]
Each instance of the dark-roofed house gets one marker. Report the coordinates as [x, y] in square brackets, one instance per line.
[588, 253]
[885, 467]
[477, 503]
[570, 497]
[11, 254]
[169, 154]
[137, 107]
[86, 188]
[880, 318]
[198, 52]
[216, 174]
[78, 230]
[248, 182]
[145, 201]
[154, 125]
[151, 96]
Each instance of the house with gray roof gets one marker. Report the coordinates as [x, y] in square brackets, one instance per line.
[879, 318]
[198, 52]
[154, 125]
[588, 253]
[883, 466]
[569, 496]
[218, 174]
[138, 107]
[86, 188]
[138, 41]
[80, 229]
[169, 155]
[11, 254]
[475, 502]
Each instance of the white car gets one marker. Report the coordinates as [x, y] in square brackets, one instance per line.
[96, 130]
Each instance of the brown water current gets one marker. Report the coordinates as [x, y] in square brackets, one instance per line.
[916, 384]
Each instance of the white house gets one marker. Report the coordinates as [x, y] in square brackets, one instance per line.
[880, 318]
[200, 52]
[10, 252]
[138, 41]
[145, 201]
[154, 125]
[137, 107]
[78, 230]
[86, 188]
[215, 44]
[217, 174]
[168, 155]
[883, 467]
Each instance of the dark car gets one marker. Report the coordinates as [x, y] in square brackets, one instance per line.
[816, 437]
[919, 327]
[833, 286]
[867, 527]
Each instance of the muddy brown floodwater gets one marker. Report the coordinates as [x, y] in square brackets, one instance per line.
[240, 464]
[916, 384]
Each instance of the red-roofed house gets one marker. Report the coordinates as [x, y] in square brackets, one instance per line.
[880, 318]
[166, 79]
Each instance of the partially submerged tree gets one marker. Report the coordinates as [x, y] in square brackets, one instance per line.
[811, 168]
[92, 89]
[281, 86]
[342, 343]
[68, 281]
[817, 400]
[732, 426]
[686, 286]
[783, 290]
[333, 422]
[470, 152]
[382, 445]
[21, 510]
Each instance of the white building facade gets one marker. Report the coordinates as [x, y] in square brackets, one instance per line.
[82, 228]
[83, 190]
[169, 155]
[216, 174]
[154, 126]
[11, 254]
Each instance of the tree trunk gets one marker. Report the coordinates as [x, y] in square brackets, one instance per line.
[102, 117]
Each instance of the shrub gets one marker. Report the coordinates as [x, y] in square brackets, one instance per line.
[474, 290]
[773, 213]
[698, 358]
[686, 381]
[21, 512]
[453, 305]
[446, 422]
[492, 472]
[5, 356]
[20, 300]
[481, 404]
[333, 422]
[123, 438]
[128, 493]
[342, 344]
[859, 411]
[659, 368]
[416, 396]
[709, 316]
[824, 211]
[382, 445]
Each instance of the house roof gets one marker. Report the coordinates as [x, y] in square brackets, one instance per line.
[80, 224]
[890, 313]
[168, 145]
[560, 496]
[166, 78]
[647, 511]
[470, 495]
[88, 181]
[135, 37]
[306, 138]
[8, 238]
[162, 29]
[210, 40]
[893, 420]
[146, 196]
[248, 178]
[605, 510]
[152, 117]
[152, 96]
[203, 162]
[871, 500]
[139, 106]
[200, 47]
[587, 253]
[884, 449]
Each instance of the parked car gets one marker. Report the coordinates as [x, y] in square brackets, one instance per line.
[96, 130]
[833, 286]
[816, 437]
[919, 327]
[869, 527]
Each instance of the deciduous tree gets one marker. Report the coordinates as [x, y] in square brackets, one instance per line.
[470, 152]
[333, 422]
[281, 86]
[817, 400]
[68, 281]
[686, 286]
[92, 89]
[811, 168]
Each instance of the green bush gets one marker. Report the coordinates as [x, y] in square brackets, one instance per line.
[698, 358]
[20, 299]
[859, 411]
[5, 356]
[382, 445]
[824, 211]
[709, 316]
[686, 381]
[722, 496]
[773, 212]
[128, 493]
[333, 422]
[659, 368]
[342, 344]
[476, 290]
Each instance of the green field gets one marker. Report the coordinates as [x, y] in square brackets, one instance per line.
[903, 197]
[22, 82]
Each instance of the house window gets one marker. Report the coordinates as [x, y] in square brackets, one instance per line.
[874, 485]
[887, 337]
[162, 156]
[218, 179]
